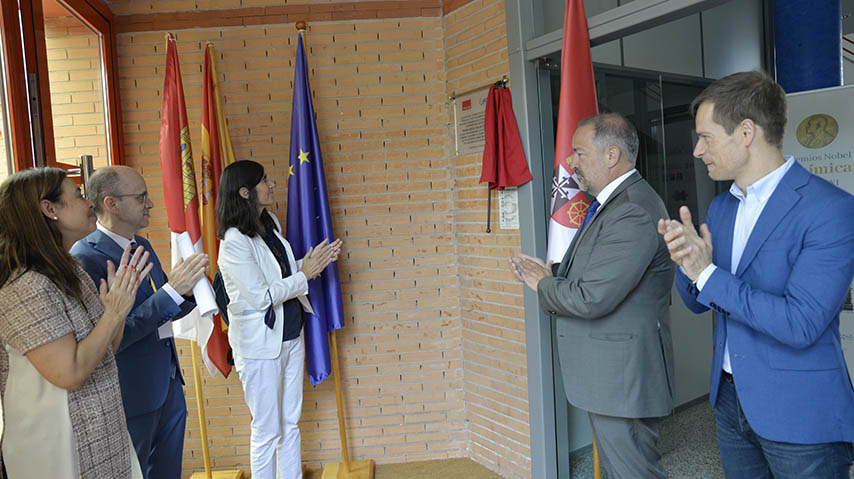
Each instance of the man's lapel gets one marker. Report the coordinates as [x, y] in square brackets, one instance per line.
[570, 252]
[104, 244]
[782, 201]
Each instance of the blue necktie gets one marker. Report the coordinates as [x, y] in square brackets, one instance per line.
[590, 212]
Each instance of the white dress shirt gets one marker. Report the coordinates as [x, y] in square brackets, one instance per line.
[750, 206]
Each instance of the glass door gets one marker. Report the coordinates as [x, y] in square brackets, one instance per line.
[658, 105]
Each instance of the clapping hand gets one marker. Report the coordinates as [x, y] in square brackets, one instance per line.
[319, 257]
[529, 270]
[688, 249]
[118, 291]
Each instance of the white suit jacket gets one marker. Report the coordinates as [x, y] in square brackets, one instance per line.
[249, 271]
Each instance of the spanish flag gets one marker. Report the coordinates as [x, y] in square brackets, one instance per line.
[217, 153]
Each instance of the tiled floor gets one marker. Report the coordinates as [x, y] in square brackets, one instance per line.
[689, 446]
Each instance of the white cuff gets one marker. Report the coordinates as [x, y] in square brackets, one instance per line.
[704, 276]
[173, 294]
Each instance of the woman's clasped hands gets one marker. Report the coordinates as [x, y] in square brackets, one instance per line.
[319, 257]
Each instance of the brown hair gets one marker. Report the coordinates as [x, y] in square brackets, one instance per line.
[28, 239]
[744, 95]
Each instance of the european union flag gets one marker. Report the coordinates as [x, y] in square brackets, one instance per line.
[309, 223]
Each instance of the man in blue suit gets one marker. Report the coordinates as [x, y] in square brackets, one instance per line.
[774, 261]
[149, 373]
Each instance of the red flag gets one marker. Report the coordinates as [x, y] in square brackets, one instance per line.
[179, 187]
[176, 156]
[216, 153]
[504, 161]
[577, 101]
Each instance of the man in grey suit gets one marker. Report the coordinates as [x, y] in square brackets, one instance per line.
[610, 298]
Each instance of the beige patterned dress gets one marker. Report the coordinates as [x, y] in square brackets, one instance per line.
[33, 312]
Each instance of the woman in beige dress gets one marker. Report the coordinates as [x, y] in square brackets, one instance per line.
[62, 408]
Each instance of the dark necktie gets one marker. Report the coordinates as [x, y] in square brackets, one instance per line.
[590, 212]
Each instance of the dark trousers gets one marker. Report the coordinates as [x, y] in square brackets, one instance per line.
[746, 455]
[158, 436]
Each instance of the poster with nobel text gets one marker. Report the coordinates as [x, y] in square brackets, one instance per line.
[818, 135]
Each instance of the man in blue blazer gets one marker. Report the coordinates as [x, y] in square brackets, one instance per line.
[774, 261]
[149, 373]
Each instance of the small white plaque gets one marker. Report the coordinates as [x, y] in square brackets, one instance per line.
[508, 207]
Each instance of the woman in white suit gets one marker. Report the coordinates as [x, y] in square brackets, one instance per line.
[267, 290]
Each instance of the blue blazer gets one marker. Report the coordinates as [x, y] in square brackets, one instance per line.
[780, 310]
[144, 361]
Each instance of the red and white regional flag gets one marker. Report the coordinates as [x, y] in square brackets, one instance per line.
[179, 188]
[577, 101]
[217, 153]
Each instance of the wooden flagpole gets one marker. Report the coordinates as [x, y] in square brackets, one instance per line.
[347, 469]
[200, 405]
[203, 428]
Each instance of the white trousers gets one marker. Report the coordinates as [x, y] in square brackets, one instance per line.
[273, 392]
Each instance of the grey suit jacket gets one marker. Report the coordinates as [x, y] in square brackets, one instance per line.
[610, 296]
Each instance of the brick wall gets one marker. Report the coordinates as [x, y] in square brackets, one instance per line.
[333, 9]
[432, 354]
[496, 386]
[76, 93]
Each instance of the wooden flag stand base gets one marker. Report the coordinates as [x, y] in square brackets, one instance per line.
[207, 473]
[358, 470]
[236, 474]
[346, 469]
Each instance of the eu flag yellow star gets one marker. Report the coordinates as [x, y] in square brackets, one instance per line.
[290, 170]
[303, 156]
